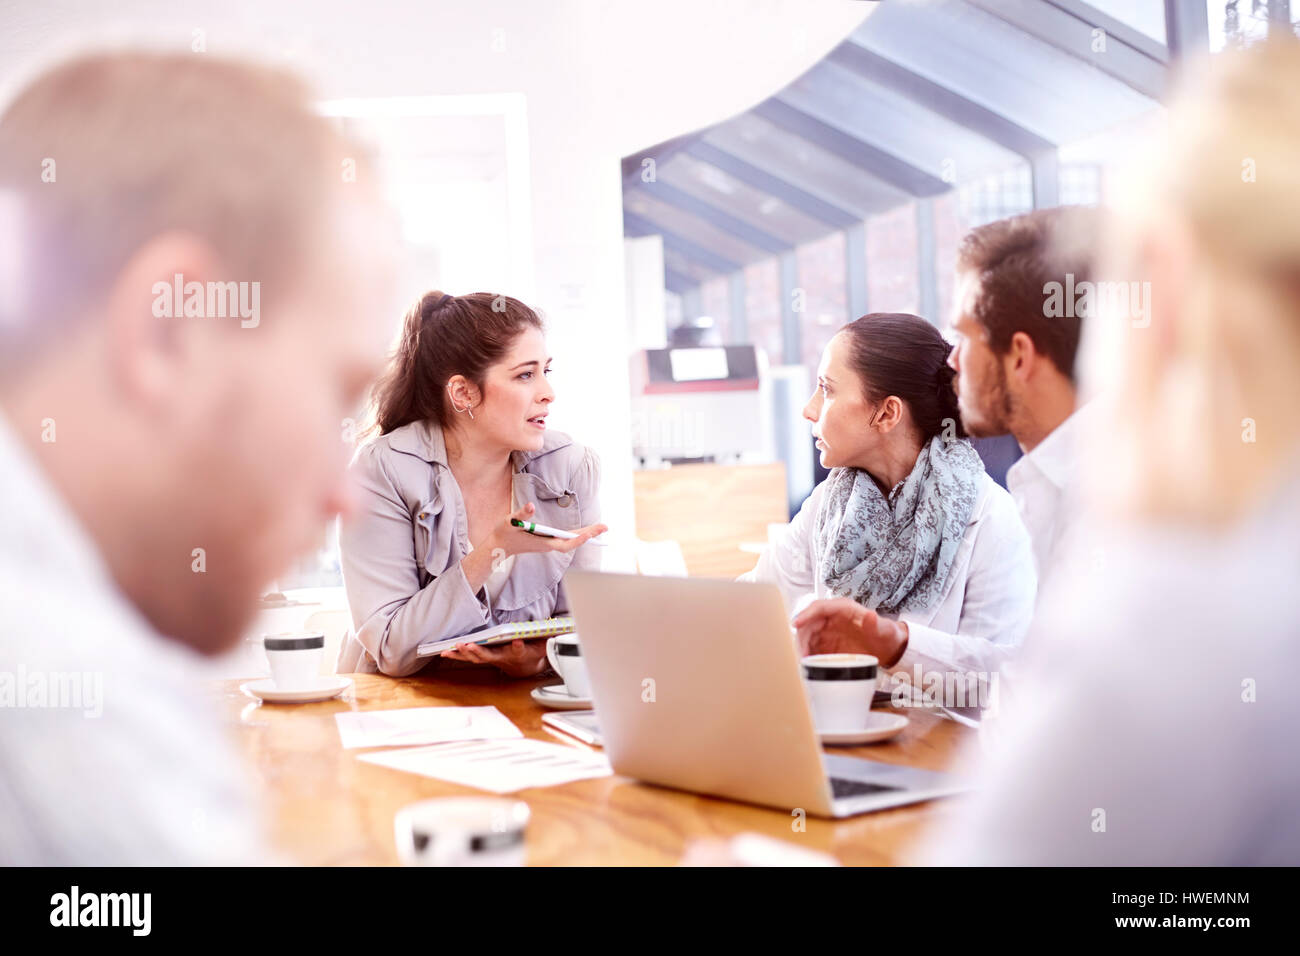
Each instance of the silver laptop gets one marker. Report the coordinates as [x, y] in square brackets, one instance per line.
[696, 684]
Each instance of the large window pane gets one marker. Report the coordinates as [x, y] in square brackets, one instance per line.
[820, 268]
[892, 280]
[1239, 24]
[949, 229]
[763, 308]
[715, 302]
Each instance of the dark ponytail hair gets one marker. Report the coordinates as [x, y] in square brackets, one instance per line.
[895, 353]
[445, 335]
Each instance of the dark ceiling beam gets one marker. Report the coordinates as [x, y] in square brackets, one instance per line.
[675, 281]
[639, 225]
[774, 185]
[1131, 56]
[1039, 151]
[939, 99]
[1118, 29]
[872, 160]
[1187, 27]
[719, 218]
[634, 168]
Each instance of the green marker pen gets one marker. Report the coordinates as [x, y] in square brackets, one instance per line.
[541, 530]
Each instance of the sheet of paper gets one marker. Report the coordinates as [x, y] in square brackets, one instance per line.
[422, 725]
[501, 766]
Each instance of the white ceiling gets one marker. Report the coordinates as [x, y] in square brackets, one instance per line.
[645, 71]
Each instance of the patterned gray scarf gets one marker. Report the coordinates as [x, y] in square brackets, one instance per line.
[896, 554]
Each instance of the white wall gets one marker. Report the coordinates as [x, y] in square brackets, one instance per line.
[602, 79]
[643, 262]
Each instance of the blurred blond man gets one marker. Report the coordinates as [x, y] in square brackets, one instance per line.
[194, 271]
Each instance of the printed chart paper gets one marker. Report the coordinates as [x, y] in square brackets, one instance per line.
[410, 726]
[501, 766]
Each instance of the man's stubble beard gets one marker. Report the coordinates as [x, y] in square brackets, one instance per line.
[997, 413]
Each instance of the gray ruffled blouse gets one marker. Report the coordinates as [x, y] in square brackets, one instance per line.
[401, 549]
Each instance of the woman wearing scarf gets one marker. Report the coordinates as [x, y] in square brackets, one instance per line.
[908, 537]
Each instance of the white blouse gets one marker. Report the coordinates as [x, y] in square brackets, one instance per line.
[987, 604]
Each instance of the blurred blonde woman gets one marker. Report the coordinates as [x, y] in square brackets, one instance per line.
[1158, 726]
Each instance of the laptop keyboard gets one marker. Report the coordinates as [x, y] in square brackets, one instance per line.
[856, 788]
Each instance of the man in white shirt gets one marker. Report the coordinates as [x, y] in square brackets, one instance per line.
[1014, 360]
[194, 303]
[1020, 303]
[1043, 483]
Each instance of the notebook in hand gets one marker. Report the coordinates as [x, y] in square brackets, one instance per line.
[501, 634]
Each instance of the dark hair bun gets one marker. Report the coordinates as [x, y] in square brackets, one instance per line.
[896, 353]
[946, 392]
[431, 303]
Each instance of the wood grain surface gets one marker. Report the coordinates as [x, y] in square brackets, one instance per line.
[329, 808]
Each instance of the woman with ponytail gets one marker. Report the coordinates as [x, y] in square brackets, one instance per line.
[912, 552]
[463, 448]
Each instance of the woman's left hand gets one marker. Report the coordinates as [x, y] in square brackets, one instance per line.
[516, 659]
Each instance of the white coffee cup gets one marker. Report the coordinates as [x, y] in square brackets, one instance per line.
[565, 654]
[840, 690]
[295, 658]
[462, 831]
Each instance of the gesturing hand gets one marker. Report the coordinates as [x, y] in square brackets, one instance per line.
[843, 626]
[514, 540]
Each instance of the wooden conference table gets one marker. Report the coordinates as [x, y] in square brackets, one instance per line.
[329, 808]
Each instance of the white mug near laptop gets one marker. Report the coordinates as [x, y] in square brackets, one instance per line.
[840, 690]
[565, 655]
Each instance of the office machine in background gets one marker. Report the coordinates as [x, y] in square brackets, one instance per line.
[699, 405]
[721, 405]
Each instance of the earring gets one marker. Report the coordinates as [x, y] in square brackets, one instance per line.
[467, 408]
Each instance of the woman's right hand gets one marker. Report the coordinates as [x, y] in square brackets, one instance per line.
[508, 540]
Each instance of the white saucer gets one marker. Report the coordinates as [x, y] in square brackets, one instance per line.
[880, 727]
[324, 688]
[557, 698]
